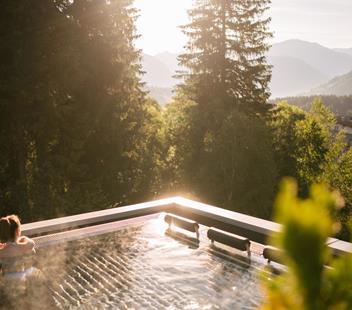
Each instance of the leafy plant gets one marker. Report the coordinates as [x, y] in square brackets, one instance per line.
[306, 225]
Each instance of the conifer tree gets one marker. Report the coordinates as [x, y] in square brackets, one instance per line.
[72, 109]
[225, 55]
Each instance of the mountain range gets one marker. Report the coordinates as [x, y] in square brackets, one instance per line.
[339, 86]
[299, 67]
[347, 51]
[158, 73]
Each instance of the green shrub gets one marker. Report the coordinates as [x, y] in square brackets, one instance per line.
[306, 225]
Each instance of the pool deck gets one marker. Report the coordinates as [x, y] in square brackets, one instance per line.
[255, 229]
[86, 232]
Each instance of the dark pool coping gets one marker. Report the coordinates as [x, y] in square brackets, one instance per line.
[256, 229]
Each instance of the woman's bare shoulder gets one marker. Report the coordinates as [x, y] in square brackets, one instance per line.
[25, 241]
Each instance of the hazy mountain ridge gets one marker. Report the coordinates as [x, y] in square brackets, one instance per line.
[328, 61]
[291, 76]
[161, 94]
[157, 73]
[159, 79]
[170, 60]
[299, 67]
[315, 65]
[339, 86]
[347, 51]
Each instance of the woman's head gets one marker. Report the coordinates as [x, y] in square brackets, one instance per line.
[10, 228]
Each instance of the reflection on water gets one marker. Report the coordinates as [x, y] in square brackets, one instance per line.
[186, 240]
[142, 267]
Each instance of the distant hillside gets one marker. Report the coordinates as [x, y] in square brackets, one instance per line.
[340, 105]
[170, 60]
[328, 61]
[157, 73]
[339, 86]
[161, 94]
[344, 50]
[298, 67]
[291, 76]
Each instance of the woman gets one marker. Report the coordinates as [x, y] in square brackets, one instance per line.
[24, 286]
[15, 258]
[14, 248]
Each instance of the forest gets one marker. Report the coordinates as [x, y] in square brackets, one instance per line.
[78, 131]
[341, 106]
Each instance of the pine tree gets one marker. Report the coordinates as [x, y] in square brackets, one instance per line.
[106, 103]
[225, 55]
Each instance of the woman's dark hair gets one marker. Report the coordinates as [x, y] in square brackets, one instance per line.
[4, 230]
[15, 224]
[9, 227]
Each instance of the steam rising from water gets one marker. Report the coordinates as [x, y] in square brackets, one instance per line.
[141, 267]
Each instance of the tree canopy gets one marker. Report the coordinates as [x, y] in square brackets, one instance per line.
[72, 110]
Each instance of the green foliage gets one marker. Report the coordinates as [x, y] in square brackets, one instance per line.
[339, 176]
[181, 139]
[211, 144]
[228, 176]
[149, 153]
[308, 148]
[213, 159]
[304, 143]
[339, 105]
[306, 225]
[73, 115]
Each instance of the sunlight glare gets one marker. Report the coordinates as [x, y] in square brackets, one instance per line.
[158, 23]
[159, 224]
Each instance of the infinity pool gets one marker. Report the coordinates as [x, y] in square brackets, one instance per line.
[140, 266]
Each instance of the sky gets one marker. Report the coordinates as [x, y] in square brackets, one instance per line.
[328, 22]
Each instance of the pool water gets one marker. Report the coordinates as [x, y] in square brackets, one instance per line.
[142, 267]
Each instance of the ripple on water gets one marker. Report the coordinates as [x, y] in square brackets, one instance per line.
[140, 267]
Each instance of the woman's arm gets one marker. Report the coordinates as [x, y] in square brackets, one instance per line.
[27, 242]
